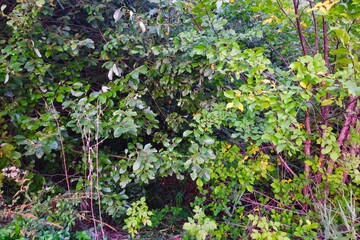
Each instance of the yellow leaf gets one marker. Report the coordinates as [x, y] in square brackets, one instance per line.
[303, 84]
[304, 25]
[241, 107]
[256, 16]
[232, 1]
[272, 19]
[229, 105]
[327, 102]
[266, 21]
[324, 7]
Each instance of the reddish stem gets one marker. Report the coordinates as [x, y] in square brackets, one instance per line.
[315, 27]
[345, 131]
[298, 25]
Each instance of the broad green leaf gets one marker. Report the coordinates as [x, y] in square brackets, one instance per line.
[342, 34]
[136, 165]
[334, 155]
[76, 93]
[199, 182]
[187, 133]
[326, 150]
[229, 94]
[343, 51]
[119, 131]
[327, 102]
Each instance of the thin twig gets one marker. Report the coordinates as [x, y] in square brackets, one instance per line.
[315, 26]
[283, 162]
[97, 130]
[52, 111]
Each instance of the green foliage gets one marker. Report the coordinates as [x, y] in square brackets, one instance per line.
[199, 226]
[46, 219]
[138, 215]
[256, 103]
[82, 235]
[170, 217]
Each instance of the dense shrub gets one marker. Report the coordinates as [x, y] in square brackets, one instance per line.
[239, 117]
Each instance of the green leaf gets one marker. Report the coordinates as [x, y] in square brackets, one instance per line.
[54, 145]
[343, 51]
[326, 150]
[334, 155]
[40, 3]
[39, 152]
[187, 133]
[342, 34]
[193, 175]
[136, 165]
[76, 93]
[199, 182]
[119, 131]
[229, 94]
[327, 102]
[280, 147]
